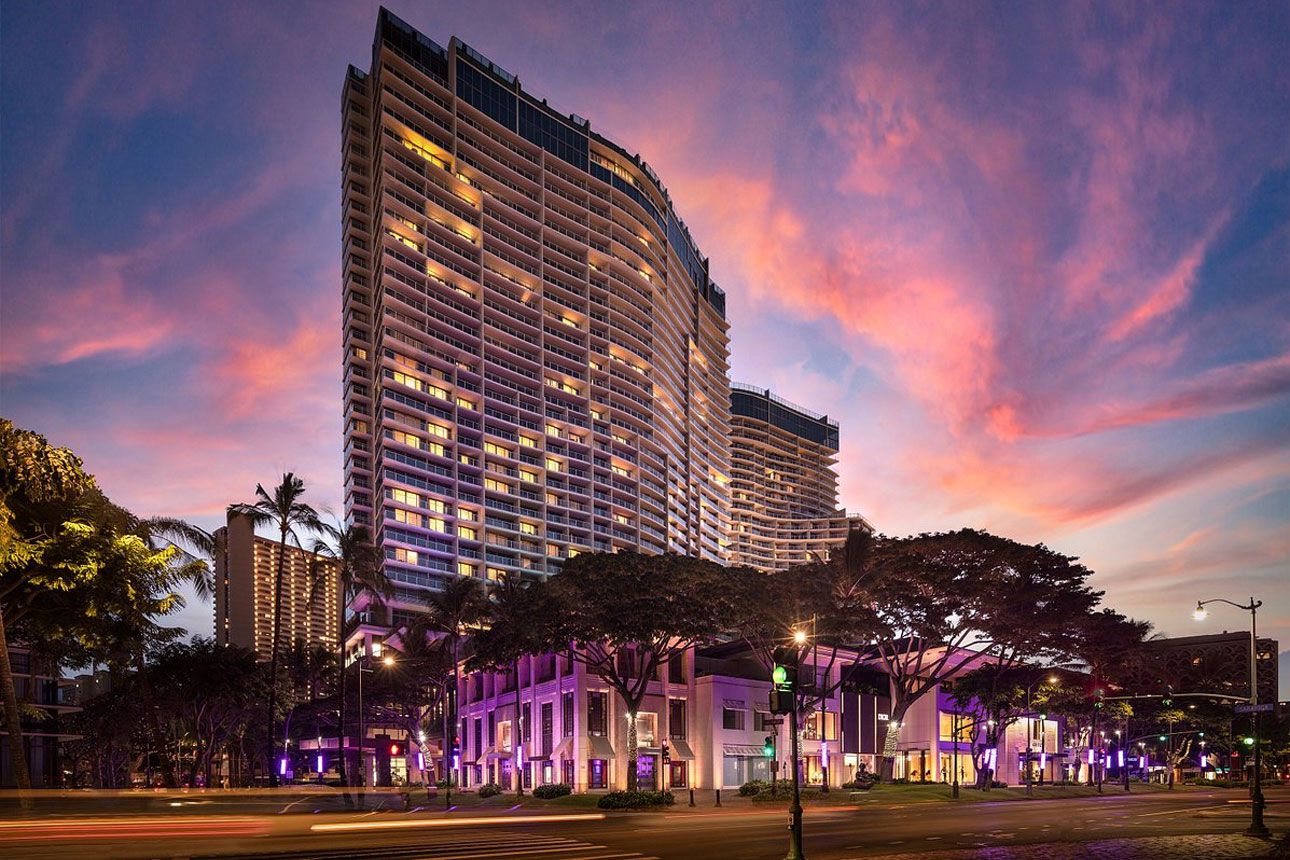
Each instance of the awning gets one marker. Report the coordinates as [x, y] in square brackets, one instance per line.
[491, 752]
[564, 749]
[743, 750]
[681, 751]
[601, 748]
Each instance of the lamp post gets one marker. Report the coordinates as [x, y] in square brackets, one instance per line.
[1257, 804]
[388, 660]
[954, 731]
[795, 810]
[1030, 731]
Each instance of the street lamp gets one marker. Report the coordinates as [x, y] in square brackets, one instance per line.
[362, 729]
[795, 810]
[1257, 827]
[1030, 731]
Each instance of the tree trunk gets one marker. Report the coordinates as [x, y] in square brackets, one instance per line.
[273, 657]
[890, 743]
[633, 751]
[148, 701]
[13, 721]
[519, 777]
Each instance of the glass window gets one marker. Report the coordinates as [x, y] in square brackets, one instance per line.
[732, 718]
[676, 718]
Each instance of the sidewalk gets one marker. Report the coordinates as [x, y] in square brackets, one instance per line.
[1145, 848]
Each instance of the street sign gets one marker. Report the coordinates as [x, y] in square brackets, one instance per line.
[1260, 708]
[773, 721]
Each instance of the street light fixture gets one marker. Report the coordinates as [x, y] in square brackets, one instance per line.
[1257, 803]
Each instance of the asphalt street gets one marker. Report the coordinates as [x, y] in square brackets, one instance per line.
[245, 827]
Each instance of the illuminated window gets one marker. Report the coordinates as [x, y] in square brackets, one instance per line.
[496, 573]
[552, 430]
[622, 519]
[405, 497]
[407, 556]
[468, 532]
[497, 486]
[619, 470]
[467, 514]
[554, 465]
[527, 442]
[441, 432]
[530, 476]
[528, 528]
[464, 569]
[466, 404]
[494, 448]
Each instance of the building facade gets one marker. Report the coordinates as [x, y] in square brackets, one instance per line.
[245, 570]
[535, 358]
[1212, 663]
[783, 482]
[42, 687]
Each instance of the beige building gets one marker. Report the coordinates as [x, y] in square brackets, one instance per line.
[535, 357]
[244, 579]
[783, 482]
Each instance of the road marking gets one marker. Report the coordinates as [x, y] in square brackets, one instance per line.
[1178, 811]
[453, 822]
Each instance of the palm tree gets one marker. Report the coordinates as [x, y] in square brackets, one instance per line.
[358, 568]
[285, 511]
[191, 540]
[505, 643]
[450, 612]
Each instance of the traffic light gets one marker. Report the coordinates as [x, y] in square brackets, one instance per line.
[783, 677]
[1164, 738]
[768, 748]
[1248, 741]
[1167, 700]
[665, 752]
[1099, 696]
[396, 749]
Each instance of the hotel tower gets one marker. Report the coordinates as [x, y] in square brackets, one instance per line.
[783, 482]
[535, 359]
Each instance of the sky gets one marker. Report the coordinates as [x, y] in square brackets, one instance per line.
[1033, 257]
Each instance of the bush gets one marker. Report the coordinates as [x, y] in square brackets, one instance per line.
[753, 786]
[550, 792]
[860, 783]
[995, 783]
[443, 783]
[635, 799]
[490, 789]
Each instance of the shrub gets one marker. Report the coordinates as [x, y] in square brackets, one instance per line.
[860, 783]
[753, 786]
[490, 789]
[995, 783]
[443, 783]
[550, 792]
[635, 799]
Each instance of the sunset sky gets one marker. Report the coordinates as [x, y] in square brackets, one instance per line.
[1033, 257]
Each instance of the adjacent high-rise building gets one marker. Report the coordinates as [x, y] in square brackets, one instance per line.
[783, 482]
[246, 566]
[535, 358]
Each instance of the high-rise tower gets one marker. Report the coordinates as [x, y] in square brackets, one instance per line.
[535, 359]
[783, 482]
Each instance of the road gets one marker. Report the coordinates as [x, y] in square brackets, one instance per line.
[243, 827]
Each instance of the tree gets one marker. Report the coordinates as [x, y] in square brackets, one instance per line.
[415, 685]
[285, 511]
[450, 613]
[624, 615]
[189, 538]
[994, 696]
[505, 640]
[39, 486]
[944, 601]
[825, 598]
[348, 554]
